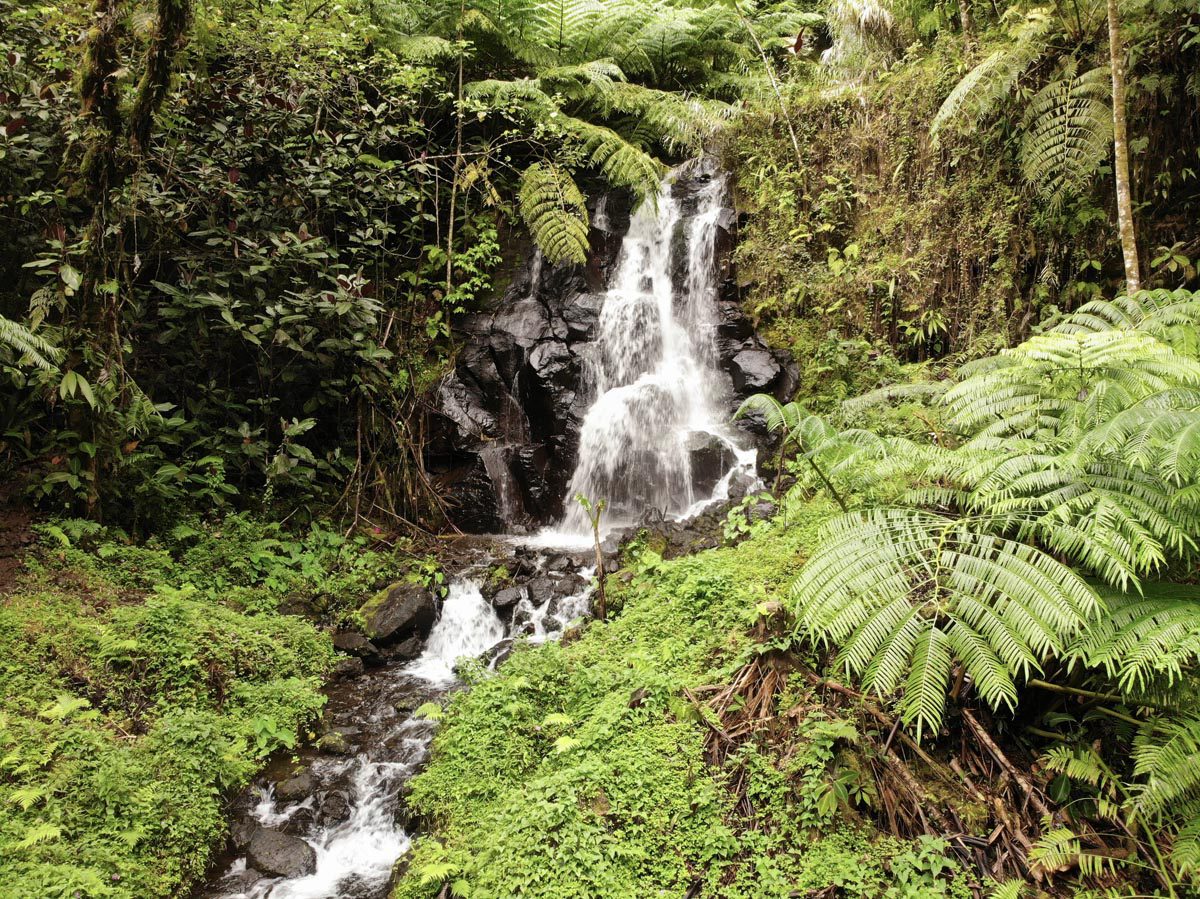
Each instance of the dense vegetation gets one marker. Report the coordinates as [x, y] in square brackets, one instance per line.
[958, 657]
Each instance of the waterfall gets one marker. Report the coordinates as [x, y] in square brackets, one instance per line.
[656, 436]
[467, 628]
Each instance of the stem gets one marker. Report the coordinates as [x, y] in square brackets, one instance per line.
[1116, 52]
[828, 486]
[783, 107]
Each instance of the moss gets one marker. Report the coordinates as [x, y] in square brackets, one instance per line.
[579, 770]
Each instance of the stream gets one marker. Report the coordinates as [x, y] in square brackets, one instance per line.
[655, 439]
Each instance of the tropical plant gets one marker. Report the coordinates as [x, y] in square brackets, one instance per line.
[1083, 445]
[904, 593]
[28, 346]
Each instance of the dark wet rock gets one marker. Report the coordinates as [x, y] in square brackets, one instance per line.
[754, 369]
[299, 822]
[334, 743]
[401, 611]
[711, 457]
[407, 650]
[335, 806]
[347, 668]
[355, 644]
[498, 653]
[762, 511]
[280, 854]
[508, 597]
[542, 589]
[296, 787]
[241, 832]
[558, 563]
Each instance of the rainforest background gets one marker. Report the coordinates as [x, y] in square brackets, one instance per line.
[957, 657]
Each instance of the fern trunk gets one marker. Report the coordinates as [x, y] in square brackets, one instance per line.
[1116, 52]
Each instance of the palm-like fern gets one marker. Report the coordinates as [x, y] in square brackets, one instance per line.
[28, 346]
[610, 82]
[990, 82]
[1068, 132]
[554, 210]
[903, 593]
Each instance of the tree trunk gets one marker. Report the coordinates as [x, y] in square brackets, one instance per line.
[1116, 53]
[967, 22]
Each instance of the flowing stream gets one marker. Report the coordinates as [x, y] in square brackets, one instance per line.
[655, 438]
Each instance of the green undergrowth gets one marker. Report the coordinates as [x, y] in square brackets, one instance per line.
[140, 685]
[579, 769]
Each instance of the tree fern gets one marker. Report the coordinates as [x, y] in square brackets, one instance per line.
[1166, 757]
[1058, 379]
[555, 212]
[1145, 638]
[1068, 133]
[1171, 316]
[900, 591]
[982, 89]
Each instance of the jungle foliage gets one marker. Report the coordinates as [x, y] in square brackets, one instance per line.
[237, 233]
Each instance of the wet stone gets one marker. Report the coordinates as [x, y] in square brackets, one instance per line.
[295, 787]
[280, 854]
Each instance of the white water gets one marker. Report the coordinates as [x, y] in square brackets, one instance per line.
[548, 621]
[467, 628]
[653, 371]
[355, 856]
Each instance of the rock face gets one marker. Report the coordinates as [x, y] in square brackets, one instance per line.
[398, 613]
[280, 855]
[504, 444]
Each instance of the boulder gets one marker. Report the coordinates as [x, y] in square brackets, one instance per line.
[401, 611]
[242, 831]
[348, 668]
[541, 589]
[280, 855]
[355, 644]
[507, 597]
[334, 743]
[711, 457]
[335, 806]
[407, 650]
[296, 787]
[754, 369]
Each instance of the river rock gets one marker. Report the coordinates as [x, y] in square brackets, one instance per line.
[348, 668]
[711, 458]
[355, 644]
[754, 369]
[334, 743]
[296, 787]
[541, 589]
[507, 597]
[242, 831]
[280, 855]
[407, 650]
[335, 806]
[401, 611]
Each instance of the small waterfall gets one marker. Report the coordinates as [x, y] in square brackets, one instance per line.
[355, 851]
[658, 410]
[467, 628]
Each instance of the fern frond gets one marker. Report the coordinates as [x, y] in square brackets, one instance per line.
[979, 92]
[1144, 638]
[30, 348]
[1068, 133]
[897, 589]
[555, 212]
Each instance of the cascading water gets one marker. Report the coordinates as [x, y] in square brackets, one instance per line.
[655, 437]
[356, 849]
[658, 408]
